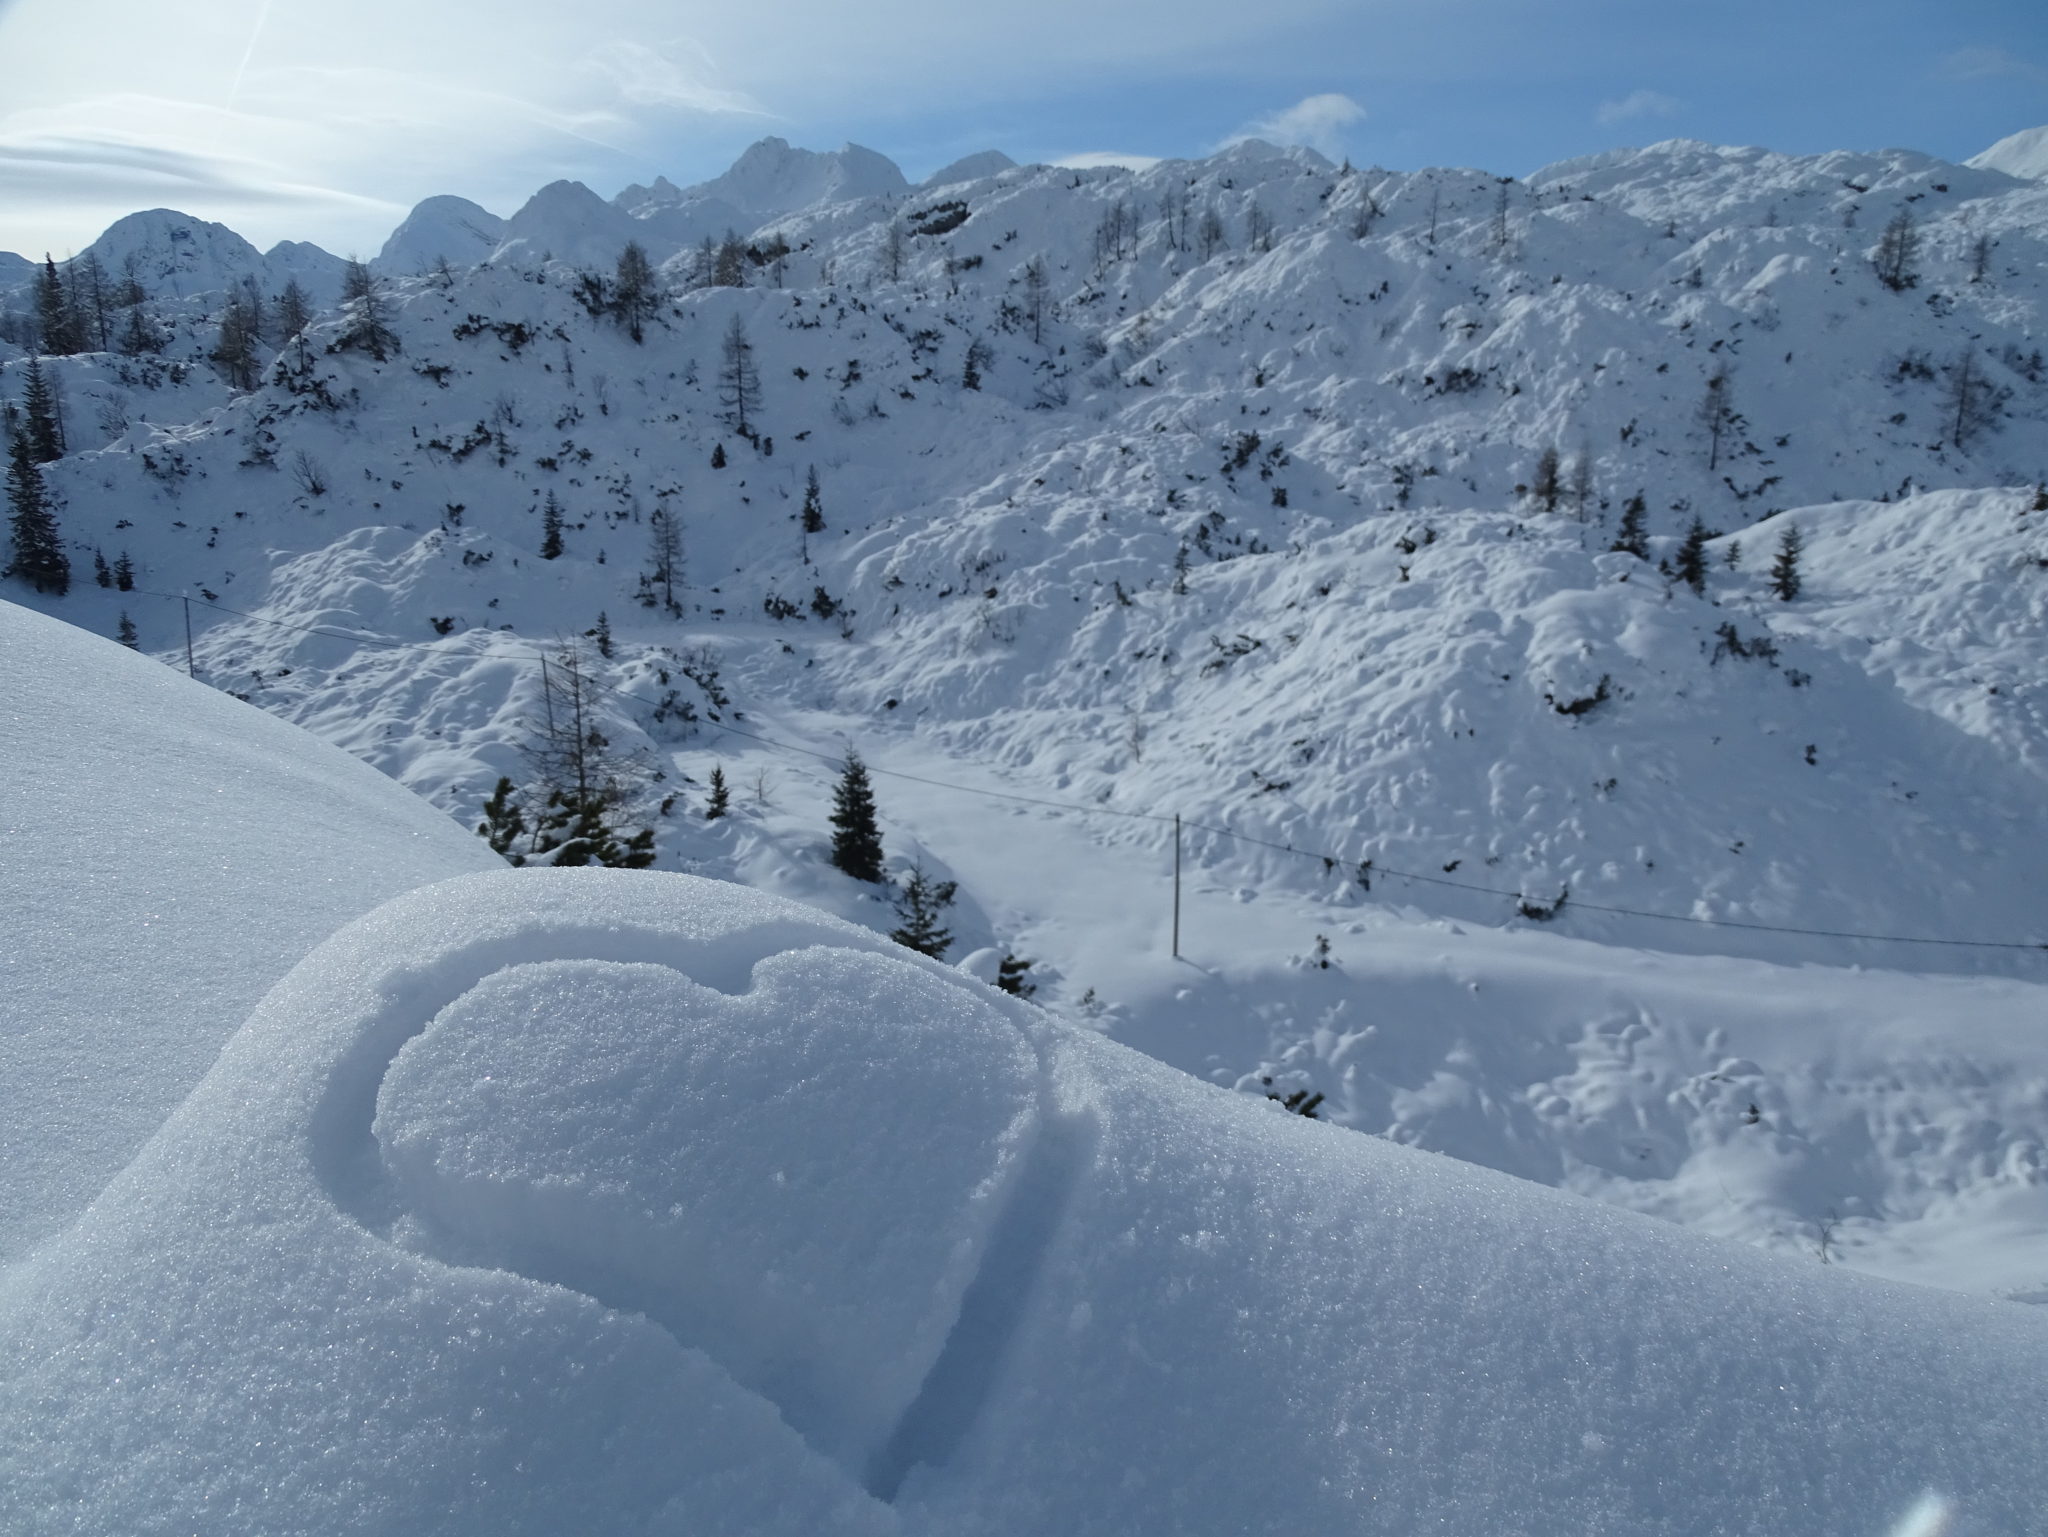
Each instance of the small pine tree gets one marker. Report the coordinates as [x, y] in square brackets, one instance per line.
[140, 336]
[1010, 976]
[294, 310]
[856, 837]
[601, 632]
[1630, 538]
[504, 824]
[719, 803]
[814, 507]
[1785, 582]
[1547, 484]
[124, 573]
[718, 456]
[102, 573]
[1898, 249]
[126, 635]
[38, 552]
[551, 529]
[44, 428]
[919, 909]
[1691, 564]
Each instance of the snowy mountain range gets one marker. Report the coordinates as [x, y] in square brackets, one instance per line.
[1220, 490]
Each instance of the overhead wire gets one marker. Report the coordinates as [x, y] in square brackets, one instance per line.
[1365, 868]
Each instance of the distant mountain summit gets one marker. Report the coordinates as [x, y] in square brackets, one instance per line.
[2020, 154]
[441, 227]
[176, 255]
[772, 178]
[990, 162]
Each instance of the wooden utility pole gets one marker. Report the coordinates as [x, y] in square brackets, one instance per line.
[1176, 886]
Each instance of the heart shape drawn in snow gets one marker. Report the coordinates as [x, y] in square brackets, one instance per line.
[801, 1180]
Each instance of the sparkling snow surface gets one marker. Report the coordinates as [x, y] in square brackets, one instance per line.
[614, 1202]
[171, 852]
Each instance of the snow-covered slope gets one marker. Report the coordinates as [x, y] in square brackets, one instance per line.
[1227, 512]
[2020, 154]
[630, 1203]
[170, 853]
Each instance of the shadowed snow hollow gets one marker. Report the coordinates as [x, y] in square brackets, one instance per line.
[609, 1202]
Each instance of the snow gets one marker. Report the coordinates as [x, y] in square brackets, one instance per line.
[458, 1234]
[2020, 154]
[773, 1227]
[171, 853]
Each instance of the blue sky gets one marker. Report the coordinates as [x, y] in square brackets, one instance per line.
[327, 122]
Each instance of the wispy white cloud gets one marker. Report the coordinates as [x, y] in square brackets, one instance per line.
[1637, 104]
[1991, 63]
[1317, 121]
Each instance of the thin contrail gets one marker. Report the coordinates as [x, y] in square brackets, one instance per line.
[262, 15]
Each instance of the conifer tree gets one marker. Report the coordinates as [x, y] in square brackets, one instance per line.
[91, 300]
[124, 572]
[1547, 484]
[1785, 581]
[739, 382]
[718, 456]
[664, 562]
[919, 908]
[37, 556]
[856, 838]
[1898, 250]
[126, 633]
[140, 335]
[53, 312]
[813, 517]
[294, 310]
[102, 573]
[369, 315]
[634, 290]
[719, 802]
[44, 428]
[234, 350]
[504, 824]
[1630, 538]
[1010, 976]
[1691, 564]
[1717, 415]
[551, 529]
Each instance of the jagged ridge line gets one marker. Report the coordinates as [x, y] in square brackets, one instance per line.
[1330, 860]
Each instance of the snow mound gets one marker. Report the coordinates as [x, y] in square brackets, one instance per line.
[2020, 154]
[171, 853]
[624, 1202]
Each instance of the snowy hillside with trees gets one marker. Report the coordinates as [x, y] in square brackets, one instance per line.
[1545, 671]
[1437, 547]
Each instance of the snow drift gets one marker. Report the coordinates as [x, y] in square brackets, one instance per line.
[626, 1202]
[171, 852]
